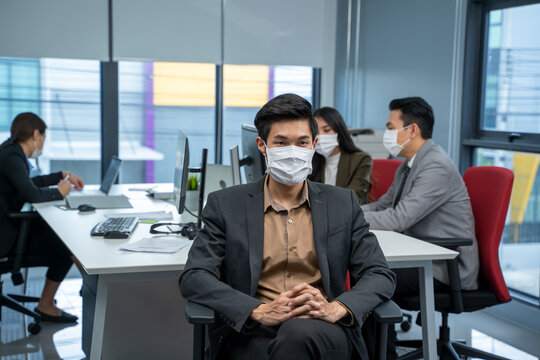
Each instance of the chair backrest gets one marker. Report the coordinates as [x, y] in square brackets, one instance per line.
[490, 188]
[382, 176]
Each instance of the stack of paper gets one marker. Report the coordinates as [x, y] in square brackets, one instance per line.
[158, 244]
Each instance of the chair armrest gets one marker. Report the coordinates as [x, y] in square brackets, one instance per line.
[388, 313]
[450, 243]
[23, 215]
[199, 314]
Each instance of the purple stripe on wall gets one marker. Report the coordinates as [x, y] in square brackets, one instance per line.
[149, 118]
[271, 83]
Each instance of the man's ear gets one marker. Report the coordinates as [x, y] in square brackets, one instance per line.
[315, 142]
[260, 145]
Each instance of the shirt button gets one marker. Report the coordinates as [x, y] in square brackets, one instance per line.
[290, 221]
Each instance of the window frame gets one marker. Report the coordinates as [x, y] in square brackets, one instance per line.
[473, 136]
[474, 81]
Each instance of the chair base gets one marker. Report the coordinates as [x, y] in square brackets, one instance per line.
[33, 327]
[446, 348]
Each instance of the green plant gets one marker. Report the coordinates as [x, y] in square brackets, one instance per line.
[193, 182]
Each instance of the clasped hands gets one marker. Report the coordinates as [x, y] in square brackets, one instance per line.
[302, 301]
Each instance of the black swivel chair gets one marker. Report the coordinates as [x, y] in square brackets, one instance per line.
[200, 316]
[12, 264]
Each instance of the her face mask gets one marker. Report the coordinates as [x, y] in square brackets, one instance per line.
[288, 165]
[37, 152]
[327, 144]
[390, 141]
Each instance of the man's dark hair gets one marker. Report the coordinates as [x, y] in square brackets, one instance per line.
[284, 107]
[415, 110]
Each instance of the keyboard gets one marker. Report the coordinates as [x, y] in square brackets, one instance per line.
[115, 228]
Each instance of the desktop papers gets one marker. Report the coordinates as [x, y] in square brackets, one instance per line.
[158, 244]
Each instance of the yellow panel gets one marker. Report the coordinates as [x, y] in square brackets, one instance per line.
[184, 84]
[525, 168]
[245, 86]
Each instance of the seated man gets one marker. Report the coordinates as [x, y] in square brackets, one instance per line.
[428, 198]
[272, 257]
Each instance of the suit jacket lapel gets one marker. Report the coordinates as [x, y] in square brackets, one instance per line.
[255, 233]
[319, 219]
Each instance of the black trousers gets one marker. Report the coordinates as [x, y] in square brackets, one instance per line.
[295, 339]
[44, 248]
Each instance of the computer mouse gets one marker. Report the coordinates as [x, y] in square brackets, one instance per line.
[85, 208]
[115, 235]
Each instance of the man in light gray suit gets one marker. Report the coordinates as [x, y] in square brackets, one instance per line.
[273, 255]
[428, 198]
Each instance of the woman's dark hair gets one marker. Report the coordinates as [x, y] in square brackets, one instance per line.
[334, 119]
[284, 107]
[23, 127]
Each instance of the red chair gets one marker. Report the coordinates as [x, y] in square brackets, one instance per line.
[489, 188]
[382, 176]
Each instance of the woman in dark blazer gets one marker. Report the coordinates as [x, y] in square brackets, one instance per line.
[337, 160]
[17, 188]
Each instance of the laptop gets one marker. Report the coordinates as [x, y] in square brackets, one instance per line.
[100, 199]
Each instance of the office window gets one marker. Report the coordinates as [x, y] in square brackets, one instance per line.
[248, 87]
[66, 94]
[156, 100]
[512, 70]
[520, 245]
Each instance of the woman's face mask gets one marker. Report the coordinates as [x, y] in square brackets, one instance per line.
[38, 151]
[289, 165]
[326, 145]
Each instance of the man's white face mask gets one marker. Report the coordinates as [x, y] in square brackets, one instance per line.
[326, 145]
[288, 165]
[390, 141]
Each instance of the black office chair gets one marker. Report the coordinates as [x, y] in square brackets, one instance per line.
[201, 316]
[12, 264]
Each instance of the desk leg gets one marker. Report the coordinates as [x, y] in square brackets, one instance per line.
[99, 318]
[427, 309]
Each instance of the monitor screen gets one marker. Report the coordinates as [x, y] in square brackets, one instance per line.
[110, 175]
[181, 172]
[256, 167]
[235, 164]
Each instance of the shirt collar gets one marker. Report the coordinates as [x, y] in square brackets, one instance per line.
[269, 202]
[410, 163]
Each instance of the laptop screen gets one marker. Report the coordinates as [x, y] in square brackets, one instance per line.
[110, 175]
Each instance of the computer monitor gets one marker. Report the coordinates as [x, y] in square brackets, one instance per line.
[181, 172]
[253, 162]
[235, 164]
[110, 175]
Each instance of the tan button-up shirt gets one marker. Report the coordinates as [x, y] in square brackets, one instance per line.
[289, 256]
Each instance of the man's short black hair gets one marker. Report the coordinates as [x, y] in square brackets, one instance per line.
[415, 110]
[284, 107]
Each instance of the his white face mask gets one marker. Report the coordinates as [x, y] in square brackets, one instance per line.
[390, 141]
[288, 165]
[326, 145]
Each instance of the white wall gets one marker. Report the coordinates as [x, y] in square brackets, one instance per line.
[405, 48]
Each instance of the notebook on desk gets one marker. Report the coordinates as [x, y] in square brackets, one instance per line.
[100, 199]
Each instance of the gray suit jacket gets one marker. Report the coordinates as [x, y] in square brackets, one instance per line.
[224, 263]
[434, 203]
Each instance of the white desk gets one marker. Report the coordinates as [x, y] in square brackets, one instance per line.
[113, 269]
[122, 281]
[403, 251]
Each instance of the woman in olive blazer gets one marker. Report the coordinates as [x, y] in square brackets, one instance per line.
[337, 160]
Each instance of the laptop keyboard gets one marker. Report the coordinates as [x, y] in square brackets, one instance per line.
[123, 225]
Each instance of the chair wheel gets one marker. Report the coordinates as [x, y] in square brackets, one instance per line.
[405, 325]
[34, 328]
